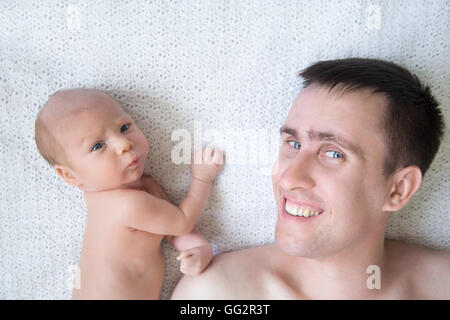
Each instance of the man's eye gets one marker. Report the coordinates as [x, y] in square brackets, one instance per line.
[294, 144]
[335, 154]
[97, 146]
[124, 128]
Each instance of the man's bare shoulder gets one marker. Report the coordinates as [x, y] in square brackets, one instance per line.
[427, 270]
[230, 275]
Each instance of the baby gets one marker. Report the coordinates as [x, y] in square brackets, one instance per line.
[93, 144]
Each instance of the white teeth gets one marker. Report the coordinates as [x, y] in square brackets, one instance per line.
[292, 209]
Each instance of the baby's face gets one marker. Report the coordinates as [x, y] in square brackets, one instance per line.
[101, 143]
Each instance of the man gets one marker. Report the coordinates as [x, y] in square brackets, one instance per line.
[355, 147]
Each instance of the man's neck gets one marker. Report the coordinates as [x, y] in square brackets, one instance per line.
[343, 275]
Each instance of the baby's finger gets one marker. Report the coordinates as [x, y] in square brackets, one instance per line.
[218, 156]
[183, 255]
[207, 155]
[197, 157]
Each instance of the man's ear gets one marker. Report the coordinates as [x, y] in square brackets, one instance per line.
[405, 184]
[67, 174]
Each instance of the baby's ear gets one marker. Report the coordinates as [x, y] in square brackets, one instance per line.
[66, 174]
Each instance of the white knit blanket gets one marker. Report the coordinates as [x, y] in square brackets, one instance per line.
[225, 65]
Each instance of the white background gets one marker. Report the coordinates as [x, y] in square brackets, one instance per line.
[226, 64]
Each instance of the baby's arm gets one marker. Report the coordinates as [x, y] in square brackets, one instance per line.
[143, 211]
[196, 252]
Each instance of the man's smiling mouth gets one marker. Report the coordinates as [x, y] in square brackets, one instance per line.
[301, 209]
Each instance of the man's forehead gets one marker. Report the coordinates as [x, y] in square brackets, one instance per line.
[352, 119]
[358, 108]
[340, 92]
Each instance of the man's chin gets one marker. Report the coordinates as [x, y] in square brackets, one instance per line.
[295, 246]
[289, 245]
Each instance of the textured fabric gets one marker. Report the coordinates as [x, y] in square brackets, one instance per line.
[225, 64]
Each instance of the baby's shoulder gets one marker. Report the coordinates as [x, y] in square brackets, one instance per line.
[111, 200]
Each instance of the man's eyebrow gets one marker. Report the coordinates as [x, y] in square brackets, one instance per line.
[288, 130]
[327, 136]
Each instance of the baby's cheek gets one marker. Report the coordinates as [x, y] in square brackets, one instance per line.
[145, 143]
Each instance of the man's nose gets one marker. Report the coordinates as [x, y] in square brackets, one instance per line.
[297, 174]
[123, 145]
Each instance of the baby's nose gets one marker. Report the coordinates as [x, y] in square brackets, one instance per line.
[123, 145]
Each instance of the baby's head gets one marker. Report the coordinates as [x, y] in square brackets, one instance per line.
[86, 136]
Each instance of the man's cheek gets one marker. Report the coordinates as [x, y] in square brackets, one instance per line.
[276, 169]
[275, 175]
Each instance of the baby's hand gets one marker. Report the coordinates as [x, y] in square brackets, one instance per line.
[195, 260]
[206, 164]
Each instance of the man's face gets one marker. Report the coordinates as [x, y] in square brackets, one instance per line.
[100, 143]
[341, 185]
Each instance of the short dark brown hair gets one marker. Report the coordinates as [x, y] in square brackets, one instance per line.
[413, 123]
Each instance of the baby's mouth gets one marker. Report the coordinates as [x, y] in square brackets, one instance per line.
[134, 163]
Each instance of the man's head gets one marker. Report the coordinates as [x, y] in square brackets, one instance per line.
[356, 144]
[87, 137]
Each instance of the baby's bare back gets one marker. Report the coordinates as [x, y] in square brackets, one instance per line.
[117, 262]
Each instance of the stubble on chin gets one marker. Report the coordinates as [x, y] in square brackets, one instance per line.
[318, 245]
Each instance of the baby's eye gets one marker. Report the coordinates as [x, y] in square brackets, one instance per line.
[335, 154]
[294, 144]
[124, 128]
[97, 146]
